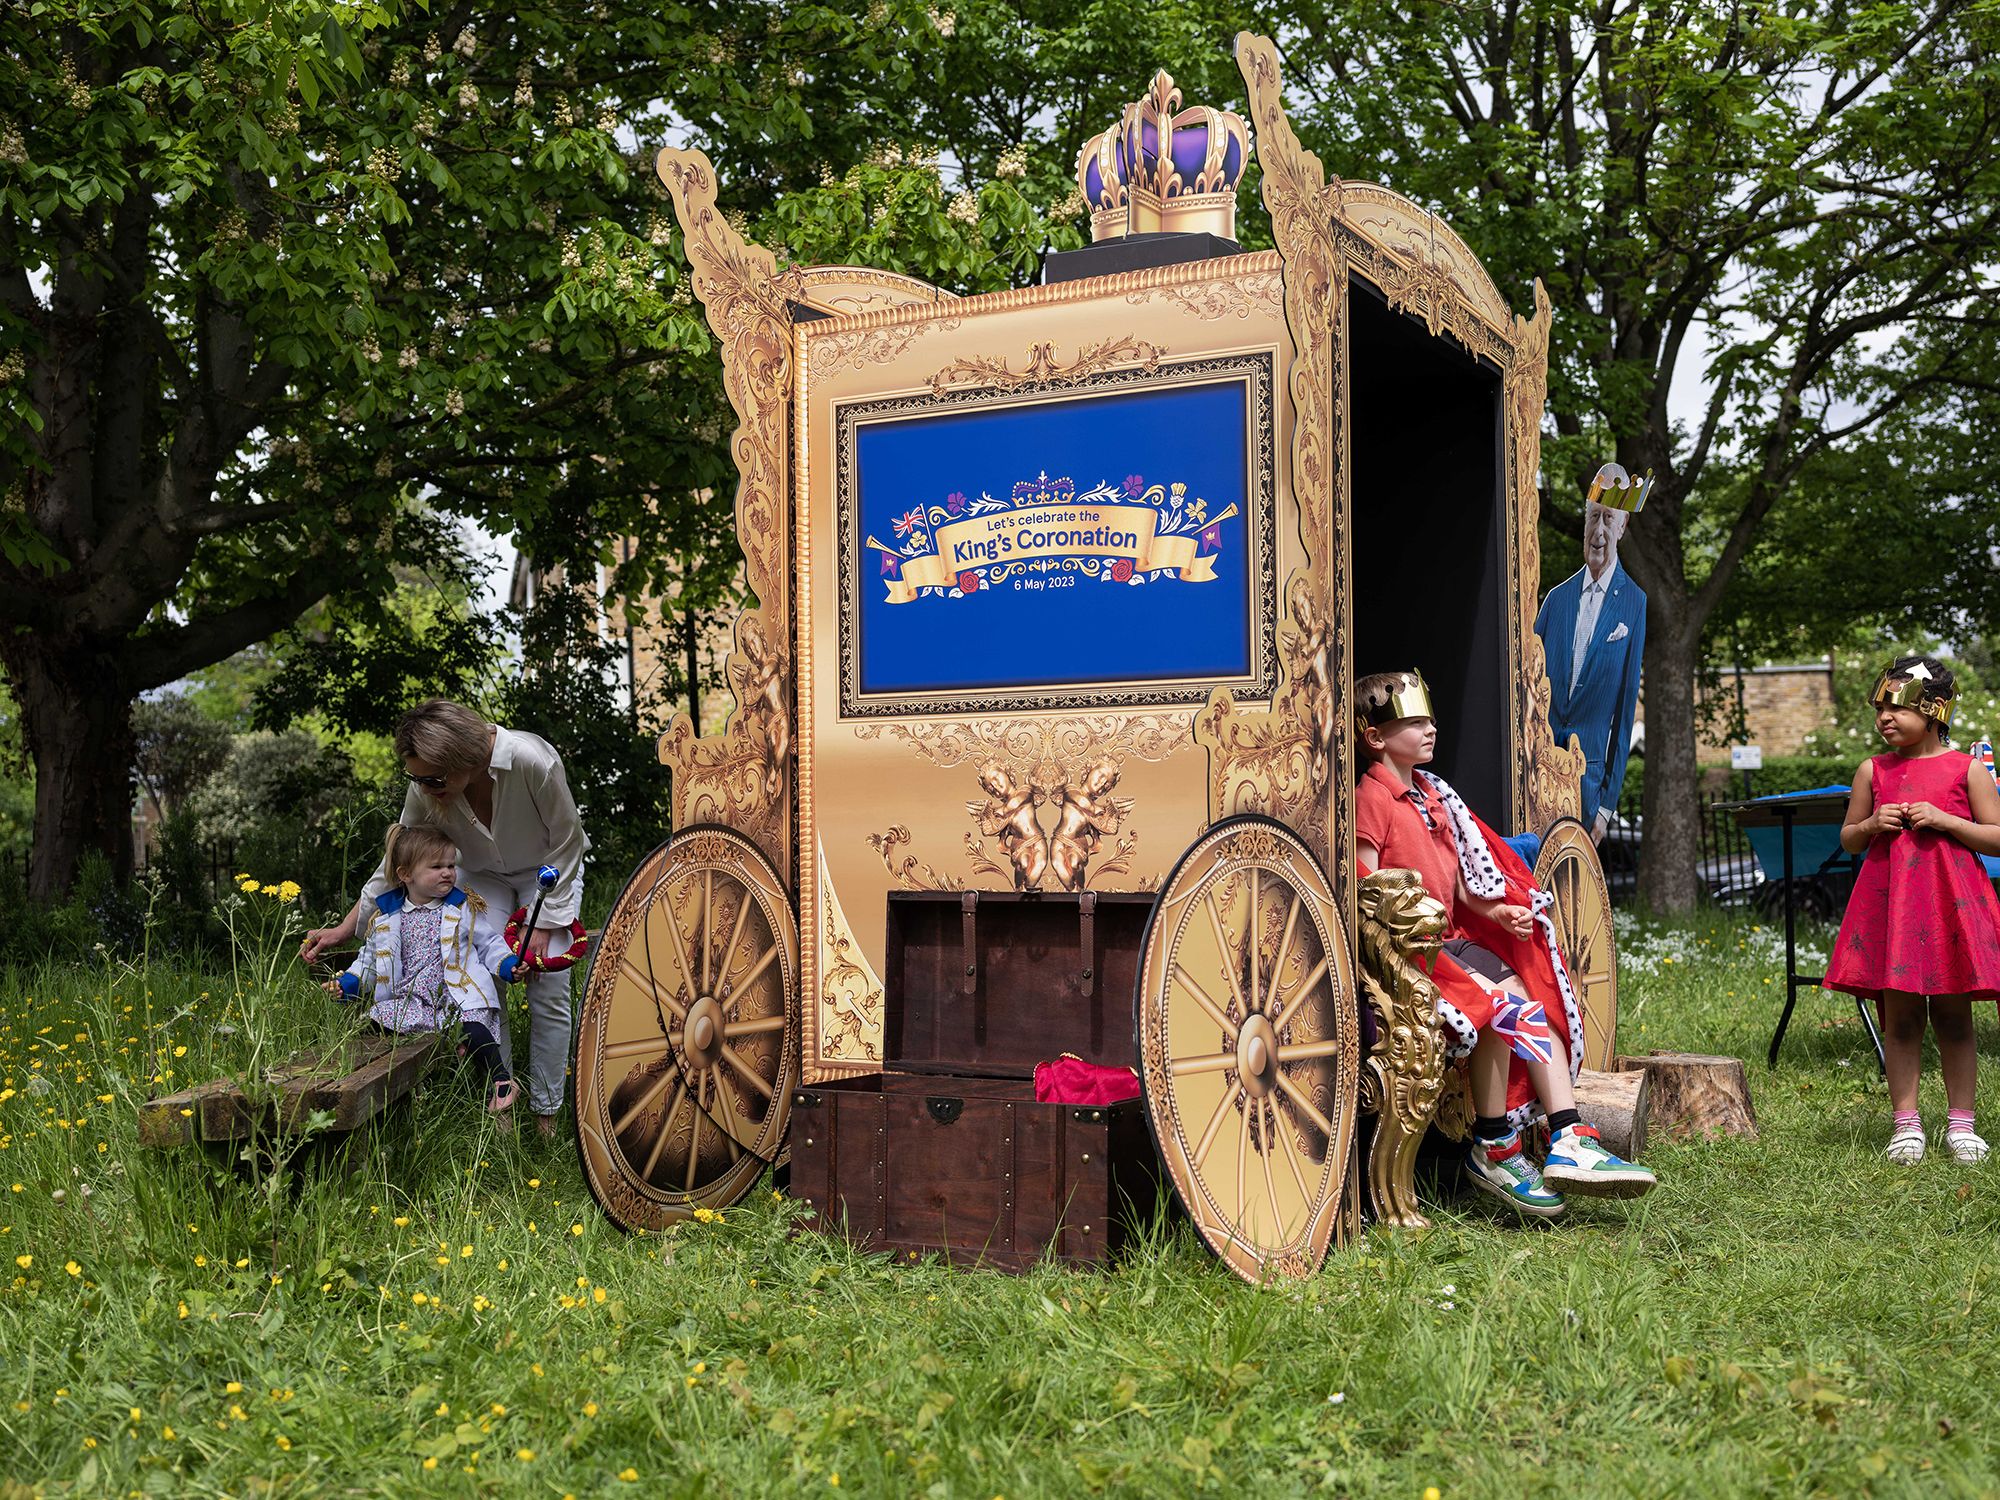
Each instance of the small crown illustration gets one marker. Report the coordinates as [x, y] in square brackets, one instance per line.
[1164, 168]
[1618, 490]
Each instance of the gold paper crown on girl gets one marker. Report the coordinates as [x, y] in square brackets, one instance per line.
[1401, 695]
[1618, 490]
[1164, 168]
[1914, 687]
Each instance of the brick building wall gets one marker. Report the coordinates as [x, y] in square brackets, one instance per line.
[1781, 705]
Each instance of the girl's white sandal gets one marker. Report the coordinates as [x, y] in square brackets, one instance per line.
[1967, 1146]
[1906, 1146]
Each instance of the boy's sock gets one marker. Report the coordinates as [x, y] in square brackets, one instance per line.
[1491, 1127]
[1954, 1119]
[1562, 1119]
[1909, 1119]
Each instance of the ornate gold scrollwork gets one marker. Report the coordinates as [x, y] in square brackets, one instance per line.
[742, 777]
[1044, 369]
[1289, 762]
[1548, 776]
[1404, 1077]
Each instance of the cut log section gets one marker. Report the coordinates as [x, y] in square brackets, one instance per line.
[1696, 1095]
[1617, 1104]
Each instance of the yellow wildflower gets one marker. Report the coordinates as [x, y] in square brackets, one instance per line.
[288, 890]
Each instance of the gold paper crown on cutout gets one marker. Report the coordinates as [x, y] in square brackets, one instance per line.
[1618, 490]
[1915, 688]
[1408, 698]
[1163, 168]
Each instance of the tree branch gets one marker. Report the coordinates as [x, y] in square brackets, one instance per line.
[160, 656]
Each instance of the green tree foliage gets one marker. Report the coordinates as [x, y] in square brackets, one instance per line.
[270, 272]
[176, 747]
[1792, 206]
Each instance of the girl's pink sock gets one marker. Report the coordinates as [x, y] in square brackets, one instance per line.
[1957, 1119]
[1909, 1118]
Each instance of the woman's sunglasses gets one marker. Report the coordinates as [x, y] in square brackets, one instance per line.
[430, 783]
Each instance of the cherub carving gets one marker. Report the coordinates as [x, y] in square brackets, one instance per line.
[1314, 647]
[1009, 814]
[761, 688]
[1087, 814]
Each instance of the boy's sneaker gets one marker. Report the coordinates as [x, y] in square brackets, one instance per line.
[1579, 1163]
[1906, 1145]
[1503, 1169]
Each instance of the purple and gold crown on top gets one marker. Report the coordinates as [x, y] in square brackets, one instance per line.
[1136, 184]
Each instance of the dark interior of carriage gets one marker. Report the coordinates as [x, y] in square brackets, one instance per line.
[1429, 535]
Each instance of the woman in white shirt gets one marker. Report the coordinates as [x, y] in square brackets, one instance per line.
[502, 797]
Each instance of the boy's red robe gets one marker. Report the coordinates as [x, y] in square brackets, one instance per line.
[1537, 959]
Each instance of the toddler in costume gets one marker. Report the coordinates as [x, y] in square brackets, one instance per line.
[428, 960]
[1923, 920]
[1501, 969]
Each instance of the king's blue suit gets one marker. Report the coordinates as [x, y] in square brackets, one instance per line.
[1601, 711]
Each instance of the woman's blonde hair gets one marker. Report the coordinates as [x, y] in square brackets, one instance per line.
[446, 735]
[412, 845]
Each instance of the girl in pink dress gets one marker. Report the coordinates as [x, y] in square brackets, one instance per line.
[1922, 930]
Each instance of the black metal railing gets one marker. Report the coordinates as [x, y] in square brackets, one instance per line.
[217, 866]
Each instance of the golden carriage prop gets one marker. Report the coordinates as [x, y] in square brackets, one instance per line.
[1042, 741]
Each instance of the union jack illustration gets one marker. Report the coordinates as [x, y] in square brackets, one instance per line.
[909, 521]
[1524, 1025]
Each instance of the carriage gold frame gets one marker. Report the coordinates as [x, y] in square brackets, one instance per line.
[817, 799]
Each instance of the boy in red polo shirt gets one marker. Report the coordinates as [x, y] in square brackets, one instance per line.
[1501, 968]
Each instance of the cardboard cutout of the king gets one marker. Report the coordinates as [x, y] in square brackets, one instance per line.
[1593, 628]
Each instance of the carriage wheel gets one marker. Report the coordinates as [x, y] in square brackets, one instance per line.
[687, 1049]
[1249, 1042]
[1568, 870]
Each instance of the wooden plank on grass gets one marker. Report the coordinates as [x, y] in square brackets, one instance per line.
[353, 1081]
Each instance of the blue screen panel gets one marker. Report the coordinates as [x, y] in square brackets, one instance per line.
[1106, 538]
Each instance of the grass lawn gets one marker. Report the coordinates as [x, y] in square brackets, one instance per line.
[1785, 1316]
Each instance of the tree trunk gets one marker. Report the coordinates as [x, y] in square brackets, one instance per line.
[1668, 849]
[76, 720]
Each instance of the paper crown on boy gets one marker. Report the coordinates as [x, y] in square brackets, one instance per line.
[1406, 696]
[1914, 687]
[1615, 489]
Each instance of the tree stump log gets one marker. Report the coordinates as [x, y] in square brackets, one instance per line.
[1618, 1104]
[1694, 1095]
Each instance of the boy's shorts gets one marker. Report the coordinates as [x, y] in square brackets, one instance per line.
[1477, 960]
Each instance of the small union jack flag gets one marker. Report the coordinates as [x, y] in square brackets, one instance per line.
[909, 521]
[1524, 1025]
[1982, 751]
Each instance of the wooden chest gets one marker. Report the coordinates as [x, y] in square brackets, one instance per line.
[947, 1150]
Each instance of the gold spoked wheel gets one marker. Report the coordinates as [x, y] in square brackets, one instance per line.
[687, 1051]
[1568, 869]
[1249, 1043]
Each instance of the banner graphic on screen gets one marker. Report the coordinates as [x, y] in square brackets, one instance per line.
[1108, 542]
[1114, 534]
